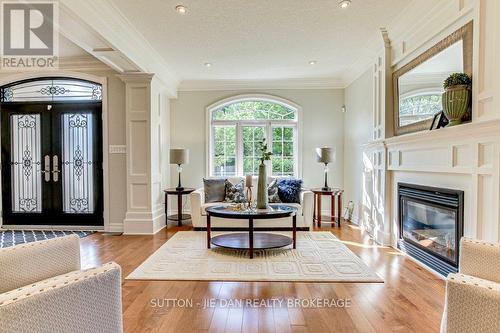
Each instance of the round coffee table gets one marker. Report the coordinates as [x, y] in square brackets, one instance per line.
[250, 241]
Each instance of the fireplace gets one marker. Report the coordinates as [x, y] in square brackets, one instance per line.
[431, 225]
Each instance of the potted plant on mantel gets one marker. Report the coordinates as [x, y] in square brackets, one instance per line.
[456, 97]
[262, 182]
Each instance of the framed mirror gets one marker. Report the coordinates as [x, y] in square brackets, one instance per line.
[418, 85]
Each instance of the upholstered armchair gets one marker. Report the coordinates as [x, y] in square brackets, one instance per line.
[43, 289]
[473, 295]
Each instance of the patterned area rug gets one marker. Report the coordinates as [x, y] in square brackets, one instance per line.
[319, 257]
[14, 237]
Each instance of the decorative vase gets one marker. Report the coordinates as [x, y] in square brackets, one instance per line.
[455, 103]
[262, 187]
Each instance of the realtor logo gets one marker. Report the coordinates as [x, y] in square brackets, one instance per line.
[29, 40]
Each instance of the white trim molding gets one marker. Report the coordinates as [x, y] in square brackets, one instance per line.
[309, 83]
[145, 214]
[465, 157]
[101, 29]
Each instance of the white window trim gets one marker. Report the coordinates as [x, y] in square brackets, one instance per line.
[297, 123]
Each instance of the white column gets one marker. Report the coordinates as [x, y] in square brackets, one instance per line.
[145, 214]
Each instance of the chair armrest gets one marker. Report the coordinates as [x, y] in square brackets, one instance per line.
[31, 262]
[472, 305]
[306, 202]
[196, 200]
[480, 259]
[80, 301]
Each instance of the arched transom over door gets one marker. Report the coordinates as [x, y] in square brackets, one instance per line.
[52, 152]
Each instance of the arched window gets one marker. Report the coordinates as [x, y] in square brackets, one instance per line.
[51, 89]
[418, 106]
[238, 126]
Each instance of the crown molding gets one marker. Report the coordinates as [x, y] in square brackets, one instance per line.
[116, 39]
[310, 83]
[83, 64]
[136, 77]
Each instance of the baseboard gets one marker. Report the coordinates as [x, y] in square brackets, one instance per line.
[143, 223]
[354, 220]
[246, 229]
[383, 238]
[378, 236]
[52, 227]
[116, 225]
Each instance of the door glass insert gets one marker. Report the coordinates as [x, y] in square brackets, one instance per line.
[26, 163]
[77, 163]
[52, 90]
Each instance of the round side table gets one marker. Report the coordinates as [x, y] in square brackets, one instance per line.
[333, 193]
[179, 217]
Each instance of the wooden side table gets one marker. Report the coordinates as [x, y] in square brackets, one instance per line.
[333, 193]
[179, 217]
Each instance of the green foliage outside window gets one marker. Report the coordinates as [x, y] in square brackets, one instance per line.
[235, 122]
[253, 110]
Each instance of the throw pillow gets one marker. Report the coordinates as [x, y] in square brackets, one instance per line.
[215, 189]
[235, 192]
[289, 190]
[272, 192]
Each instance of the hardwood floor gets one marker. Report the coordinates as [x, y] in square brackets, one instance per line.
[410, 300]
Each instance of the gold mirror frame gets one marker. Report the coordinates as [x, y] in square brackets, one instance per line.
[465, 34]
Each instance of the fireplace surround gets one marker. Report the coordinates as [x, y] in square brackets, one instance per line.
[431, 225]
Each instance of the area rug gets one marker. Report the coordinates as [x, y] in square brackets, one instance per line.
[319, 257]
[14, 237]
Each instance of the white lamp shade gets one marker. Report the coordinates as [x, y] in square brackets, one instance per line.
[325, 155]
[179, 156]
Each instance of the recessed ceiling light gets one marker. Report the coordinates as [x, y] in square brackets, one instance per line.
[181, 9]
[313, 62]
[344, 3]
[208, 64]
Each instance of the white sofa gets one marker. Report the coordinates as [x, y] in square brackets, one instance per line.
[199, 215]
[473, 294]
[44, 290]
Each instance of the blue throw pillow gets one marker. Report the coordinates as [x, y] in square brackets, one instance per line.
[235, 192]
[289, 190]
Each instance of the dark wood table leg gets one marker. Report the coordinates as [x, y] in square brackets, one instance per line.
[339, 213]
[294, 230]
[332, 208]
[208, 231]
[166, 206]
[314, 208]
[319, 210]
[179, 210]
[250, 232]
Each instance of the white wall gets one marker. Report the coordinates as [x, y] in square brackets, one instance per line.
[322, 125]
[358, 130]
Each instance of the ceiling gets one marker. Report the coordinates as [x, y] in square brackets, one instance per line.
[68, 49]
[260, 39]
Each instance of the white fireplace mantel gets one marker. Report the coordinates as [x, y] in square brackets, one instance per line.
[465, 157]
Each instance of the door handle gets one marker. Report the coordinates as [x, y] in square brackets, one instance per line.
[55, 168]
[46, 168]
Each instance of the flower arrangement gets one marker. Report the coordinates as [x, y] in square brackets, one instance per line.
[457, 79]
[266, 155]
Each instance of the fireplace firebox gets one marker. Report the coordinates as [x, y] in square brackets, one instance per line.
[431, 225]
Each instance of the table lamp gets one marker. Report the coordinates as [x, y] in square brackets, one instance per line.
[179, 156]
[325, 155]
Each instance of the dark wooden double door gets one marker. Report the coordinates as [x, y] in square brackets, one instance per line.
[52, 164]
